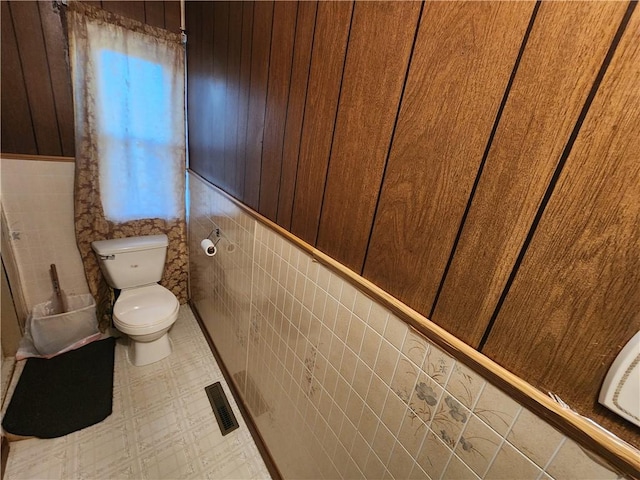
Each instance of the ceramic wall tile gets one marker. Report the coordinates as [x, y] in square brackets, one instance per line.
[348, 296]
[509, 463]
[386, 362]
[347, 434]
[404, 378]
[572, 462]
[417, 473]
[355, 407]
[370, 346]
[450, 419]
[346, 381]
[537, 440]
[400, 463]
[382, 443]
[368, 424]
[37, 199]
[496, 409]
[415, 348]
[393, 413]
[459, 470]
[438, 365]
[360, 451]
[343, 319]
[395, 331]
[425, 398]
[355, 334]
[375, 467]
[412, 433]
[434, 455]
[464, 384]
[348, 364]
[378, 316]
[362, 306]
[477, 446]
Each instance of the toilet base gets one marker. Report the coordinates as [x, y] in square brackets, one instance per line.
[144, 353]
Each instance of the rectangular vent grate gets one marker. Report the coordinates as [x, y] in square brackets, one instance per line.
[221, 408]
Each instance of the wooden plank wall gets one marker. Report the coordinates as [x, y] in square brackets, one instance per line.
[454, 153]
[37, 105]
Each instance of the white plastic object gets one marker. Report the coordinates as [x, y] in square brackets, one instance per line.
[48, 335]
[620, 390]
[145, 308]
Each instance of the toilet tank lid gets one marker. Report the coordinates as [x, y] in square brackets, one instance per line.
[129, 244]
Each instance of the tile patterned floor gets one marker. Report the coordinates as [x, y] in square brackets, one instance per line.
[162, 425]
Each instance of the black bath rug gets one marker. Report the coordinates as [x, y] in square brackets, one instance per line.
[63, 394]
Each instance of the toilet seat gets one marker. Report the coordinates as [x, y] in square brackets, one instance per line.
[143, 310]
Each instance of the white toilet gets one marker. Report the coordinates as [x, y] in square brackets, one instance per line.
[145, 311]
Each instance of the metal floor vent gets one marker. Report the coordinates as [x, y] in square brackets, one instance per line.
[221, 408]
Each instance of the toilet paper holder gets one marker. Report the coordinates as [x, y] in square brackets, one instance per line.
[219, 236]
[216, 230]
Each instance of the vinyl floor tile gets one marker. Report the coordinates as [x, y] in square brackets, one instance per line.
[162, 426]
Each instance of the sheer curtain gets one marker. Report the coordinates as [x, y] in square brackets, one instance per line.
[128, 86]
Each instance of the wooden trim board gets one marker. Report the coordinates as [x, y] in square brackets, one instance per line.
[40, 158]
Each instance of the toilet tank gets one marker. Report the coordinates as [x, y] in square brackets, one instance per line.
[132, 261]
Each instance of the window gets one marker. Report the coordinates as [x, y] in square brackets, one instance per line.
[134, 119]
[132, 98]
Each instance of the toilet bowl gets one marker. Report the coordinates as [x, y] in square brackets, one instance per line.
[145, 315]
[144, 310]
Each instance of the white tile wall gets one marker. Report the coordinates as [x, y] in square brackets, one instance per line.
[37, 198]
[350, 391]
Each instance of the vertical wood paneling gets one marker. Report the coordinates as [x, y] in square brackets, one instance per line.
[563, 55]
[577, 288]
[154, 13]
[17, 130]
[195, 78]
[37, 80]
[37, 104]
[172, 15]
[234, 52]
[243, 97]
[364, 125]
[305, 27]
[200, 63]
[327, 63]
[260, 50]
[127, 8]
[199, 66]
[463, 58]
[60, 76]
[161, 14]
[218, 92]
[284, 28]
[207, 91]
